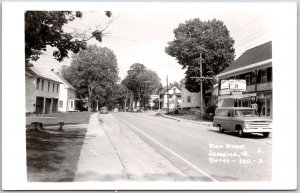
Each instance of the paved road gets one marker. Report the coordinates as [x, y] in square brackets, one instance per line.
[199, 152]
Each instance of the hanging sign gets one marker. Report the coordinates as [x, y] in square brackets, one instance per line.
[237, 85]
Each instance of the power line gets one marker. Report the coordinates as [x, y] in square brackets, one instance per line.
[138, 41]
[245, 25]
[251, 36]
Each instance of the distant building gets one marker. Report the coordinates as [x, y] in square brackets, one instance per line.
[255, 67]
[189, 99]
[42, 91]
[174, 93]
[67, 96]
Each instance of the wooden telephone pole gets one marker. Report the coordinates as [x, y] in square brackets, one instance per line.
[201, 79]
[167, 95]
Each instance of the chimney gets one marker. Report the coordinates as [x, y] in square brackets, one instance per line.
[52, 69]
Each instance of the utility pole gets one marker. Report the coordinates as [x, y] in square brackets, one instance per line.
[159, 101]
[167, 95]
[201, 79]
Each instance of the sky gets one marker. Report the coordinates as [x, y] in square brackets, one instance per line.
[139, 32]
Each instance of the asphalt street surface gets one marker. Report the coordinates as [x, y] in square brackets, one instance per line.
[152, 147]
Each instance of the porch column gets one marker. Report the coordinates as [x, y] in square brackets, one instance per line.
[51, 105]
[44, 106]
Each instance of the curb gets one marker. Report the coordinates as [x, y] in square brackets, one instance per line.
[186, 120]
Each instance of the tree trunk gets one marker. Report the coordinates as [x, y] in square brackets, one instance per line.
[89, 99]
[97, 106]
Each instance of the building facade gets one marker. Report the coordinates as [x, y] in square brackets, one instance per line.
[255, 67]
[42, 91]
[189, 99]
[174, 94]
[67, 96]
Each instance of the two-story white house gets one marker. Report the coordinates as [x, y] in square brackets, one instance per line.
[67, 96]
[42, 91]
[174, 93]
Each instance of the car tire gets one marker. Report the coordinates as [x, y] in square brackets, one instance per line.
[221, 130]
[266, 134]
[240, 132]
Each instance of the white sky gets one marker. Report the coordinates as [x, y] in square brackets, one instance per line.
[140, 32]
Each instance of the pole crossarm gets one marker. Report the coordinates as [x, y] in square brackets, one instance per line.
[202, 77]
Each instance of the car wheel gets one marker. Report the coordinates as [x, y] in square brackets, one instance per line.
[240, 132]
[221, 130]
[266, 134]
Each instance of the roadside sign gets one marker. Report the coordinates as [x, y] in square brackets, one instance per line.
[237, 85]
[224, 84]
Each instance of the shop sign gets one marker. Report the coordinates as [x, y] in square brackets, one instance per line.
[236, 93]
[224, 84]
[237, 85]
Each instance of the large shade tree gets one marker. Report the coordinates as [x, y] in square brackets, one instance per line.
[212, 40]
[45, 28]
[94, 74]
[141, 82]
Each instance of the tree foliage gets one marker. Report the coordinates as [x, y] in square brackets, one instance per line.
[141, 82]
[94, 74]
[212, 39]
[44, 28]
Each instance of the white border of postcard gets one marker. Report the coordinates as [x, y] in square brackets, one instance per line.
[284, 28]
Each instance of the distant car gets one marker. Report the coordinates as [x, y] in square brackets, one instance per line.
[103, 110]
[241, 120]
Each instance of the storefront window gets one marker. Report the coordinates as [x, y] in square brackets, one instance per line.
[268, 107]
[264, 76]
[253, 78]
[247, 77]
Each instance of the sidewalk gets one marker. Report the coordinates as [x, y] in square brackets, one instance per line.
[206, 123]
[98, 160]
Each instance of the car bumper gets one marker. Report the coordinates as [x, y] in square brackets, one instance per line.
[257, 130]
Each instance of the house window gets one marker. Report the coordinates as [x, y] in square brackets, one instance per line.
[53, 87]
[60, 104]
[170, 96]
[42, 84]
[72, 104]
[38, 84]
[264, 76]
[48, 86]
[253, 78]
[189, 99]
[247, 77]
[57, 86]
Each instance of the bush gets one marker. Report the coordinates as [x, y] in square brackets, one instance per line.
[209, 112]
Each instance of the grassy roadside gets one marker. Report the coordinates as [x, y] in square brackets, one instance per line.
[52, 155]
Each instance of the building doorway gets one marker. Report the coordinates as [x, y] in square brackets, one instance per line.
[39, 106]
[48, 106]
[55, 106]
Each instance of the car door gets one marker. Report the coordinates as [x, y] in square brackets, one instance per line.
[230, 120]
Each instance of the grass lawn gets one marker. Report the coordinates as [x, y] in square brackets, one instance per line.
[52, 155]
[55, 118]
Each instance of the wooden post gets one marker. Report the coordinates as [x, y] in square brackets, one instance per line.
[167, 95]
[200, 64]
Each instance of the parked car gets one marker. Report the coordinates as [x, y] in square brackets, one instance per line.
[241, 120]
[103, 110]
